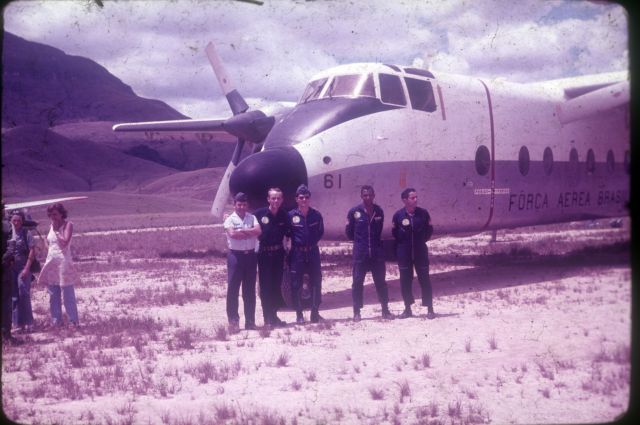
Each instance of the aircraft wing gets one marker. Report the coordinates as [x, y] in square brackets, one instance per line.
[199, 125]
[19, 205]
[591, 95]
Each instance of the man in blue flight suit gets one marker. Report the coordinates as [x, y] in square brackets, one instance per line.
[306, 229]
[274, 223]
[364, 228]
[412, 229]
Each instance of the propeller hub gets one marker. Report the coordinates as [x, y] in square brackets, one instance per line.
[252, 126]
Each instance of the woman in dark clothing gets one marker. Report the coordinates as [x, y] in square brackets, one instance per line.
[24, 254]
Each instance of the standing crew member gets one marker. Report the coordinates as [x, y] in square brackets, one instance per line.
[242, 231]
[364, 228]
[306, 227]
[412, 229]
[273, 222]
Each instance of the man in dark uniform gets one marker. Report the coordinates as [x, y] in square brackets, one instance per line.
[306, 229]
[412, 229]
[364, 228]
[273, 221]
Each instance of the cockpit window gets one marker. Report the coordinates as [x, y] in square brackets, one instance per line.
[391, 90]
[313, 89]
[342, 85]
[420, 94]
[351, 86]
[356, 85]
[365, 86]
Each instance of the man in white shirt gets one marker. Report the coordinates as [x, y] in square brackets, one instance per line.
[242, 231]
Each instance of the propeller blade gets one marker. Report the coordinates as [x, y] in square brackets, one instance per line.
[237, 152]
[223, 193]
[236, 101]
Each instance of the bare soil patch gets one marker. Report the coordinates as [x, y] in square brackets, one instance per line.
[535, 328]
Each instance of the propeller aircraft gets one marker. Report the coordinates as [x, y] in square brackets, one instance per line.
[482, 154]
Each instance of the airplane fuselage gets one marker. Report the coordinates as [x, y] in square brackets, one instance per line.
[481, 154]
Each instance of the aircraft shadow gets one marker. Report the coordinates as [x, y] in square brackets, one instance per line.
[493, 272]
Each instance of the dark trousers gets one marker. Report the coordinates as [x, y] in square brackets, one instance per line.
[406, 280]
[7, 294]
[241, 270]
[306, 263]
[270, 271]
[360, 269]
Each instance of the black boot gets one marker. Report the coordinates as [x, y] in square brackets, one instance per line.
[299, 317]
[356, 315]
[386, 314]
[430, 313]
[406, 313]
[315, 316]
[277, 322]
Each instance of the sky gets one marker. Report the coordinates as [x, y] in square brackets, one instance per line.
[272, 48]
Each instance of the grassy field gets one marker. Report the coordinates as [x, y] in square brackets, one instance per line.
[540, 318]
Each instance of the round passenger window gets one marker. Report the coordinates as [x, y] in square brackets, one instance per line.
[483, 160]
[573, 169]
[547, 161]
[523, 160]
[611, 161]
[591, 162]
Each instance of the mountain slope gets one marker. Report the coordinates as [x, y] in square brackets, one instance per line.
[43, 85]
[36, 160]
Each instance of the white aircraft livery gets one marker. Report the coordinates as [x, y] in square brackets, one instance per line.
[482, 154]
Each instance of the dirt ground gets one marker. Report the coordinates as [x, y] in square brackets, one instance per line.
[535, 328]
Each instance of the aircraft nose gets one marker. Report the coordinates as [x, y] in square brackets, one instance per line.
[281, 167]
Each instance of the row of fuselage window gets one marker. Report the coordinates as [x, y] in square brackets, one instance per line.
[483, 161]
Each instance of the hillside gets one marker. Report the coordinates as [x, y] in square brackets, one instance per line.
[37, 161]
[57, 114]
[45, 86]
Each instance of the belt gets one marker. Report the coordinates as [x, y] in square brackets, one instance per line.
[304, 248]
[245, 252]
[271, 248]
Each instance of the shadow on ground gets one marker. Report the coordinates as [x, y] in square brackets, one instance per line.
[496, 271]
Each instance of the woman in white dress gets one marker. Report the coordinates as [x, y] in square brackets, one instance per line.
[58, 272]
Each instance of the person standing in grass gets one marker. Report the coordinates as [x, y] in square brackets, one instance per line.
[58, 271]
[364, 228]
[412, 229]
[24, 255]
[273, 222]
[8, 257]
[242, 230]
[306, 227]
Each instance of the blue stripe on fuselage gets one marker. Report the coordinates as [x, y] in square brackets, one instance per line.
[308, 119]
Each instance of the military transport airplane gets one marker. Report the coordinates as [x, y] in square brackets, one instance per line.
[482, 154]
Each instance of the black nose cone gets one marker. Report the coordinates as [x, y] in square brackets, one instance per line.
[281, 167]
